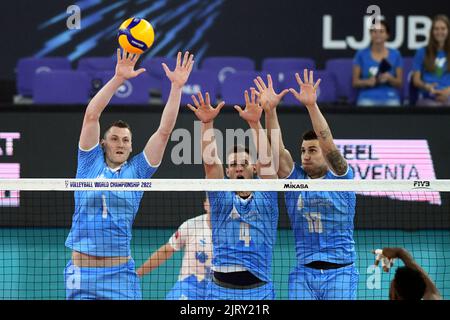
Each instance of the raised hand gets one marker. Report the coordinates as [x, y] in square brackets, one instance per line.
[307, 94]
[387, 257]
[267, 95]
[125, 65]
[253, 110]
[203, 109]
[183, 69]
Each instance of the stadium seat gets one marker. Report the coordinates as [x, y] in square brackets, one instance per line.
[203, 81]
[28, 67]
[280, 67]
[341, 69]
[155, 72]
[327, 92]
[408, 92]
[92, 66]
[235, 84]
[133, 91]
[61, 87]
[95, 64]
[223, 66]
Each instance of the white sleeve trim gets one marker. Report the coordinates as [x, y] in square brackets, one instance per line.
[290, 173]
[340, 176]
[148, 162]
[79, 147]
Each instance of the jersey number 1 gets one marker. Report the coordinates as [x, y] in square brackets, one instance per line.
[314, 222]
[105, 208]
[244, 233]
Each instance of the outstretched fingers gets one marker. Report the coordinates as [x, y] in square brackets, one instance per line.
[185, 59]
[261, 82]
[178, 60]
[295, 93]
[247, 99]
[299, 80]
[305, 76]
[119, 55]
[190, 106]
[220, 106]
[283, 93]
[166, 68]
[253, 95]
[269, 81]
[258, 85]
[200, 98]
[317, 84]
[194, 99]
[239, 109]
[190, 63]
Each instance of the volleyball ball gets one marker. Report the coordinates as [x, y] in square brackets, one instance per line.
[136, 35]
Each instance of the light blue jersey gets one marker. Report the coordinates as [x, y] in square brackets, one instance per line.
[102, 222]
[102, 283]
[322, 221]
[244, 231]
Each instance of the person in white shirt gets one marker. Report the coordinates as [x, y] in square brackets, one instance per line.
[194, 236]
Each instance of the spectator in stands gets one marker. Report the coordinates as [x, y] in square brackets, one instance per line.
[377, 70]
[410, 282]
[431, 66]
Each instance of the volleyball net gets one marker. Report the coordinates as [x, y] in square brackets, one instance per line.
[36, 217]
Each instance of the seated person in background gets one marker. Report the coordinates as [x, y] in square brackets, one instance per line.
[378, 70]
[410, 282]
[431, 67]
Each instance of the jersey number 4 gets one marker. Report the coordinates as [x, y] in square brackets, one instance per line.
[244, 233]
[314, 222]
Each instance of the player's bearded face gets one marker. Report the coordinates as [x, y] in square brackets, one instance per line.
[313, 161]
[117, 145]
[240, 166]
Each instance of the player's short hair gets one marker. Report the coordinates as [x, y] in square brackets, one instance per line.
[238, 148]
[409, 283]
[309, 135]
[119, 124]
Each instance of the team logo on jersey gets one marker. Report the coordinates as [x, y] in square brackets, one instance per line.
[440, 63]
[201, 256]
[373, 71]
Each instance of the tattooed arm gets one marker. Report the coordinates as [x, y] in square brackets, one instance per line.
[334, 158]
[308, 97]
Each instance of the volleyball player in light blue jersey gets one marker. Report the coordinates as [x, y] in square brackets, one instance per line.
[244, 223]
[322, 221]
[101, 266]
